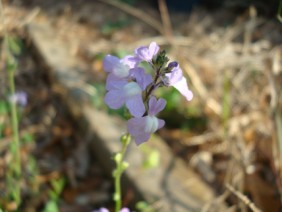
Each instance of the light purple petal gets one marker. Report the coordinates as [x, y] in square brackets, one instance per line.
[114, 82]
[142, 78]
[182, 87]
[19, 97]
[131, 61]
[153, 49]
[131, 89]
[143, 53]
[135, 105]
[113, 65]
[147, 53]
[135, 127]
[114, 99]
[156, 106]
[124, 210]
[121, 70]
[101, 210]
[161, 123]
[110, 63]
[142, 138]
[141, 128]
[174, 76]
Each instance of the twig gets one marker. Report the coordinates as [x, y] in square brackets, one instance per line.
[201, 139]
[243, 198]
[166, 21]
[161, 40]
[273, 67]
[136, 13]
[30, 17]
[197, 82]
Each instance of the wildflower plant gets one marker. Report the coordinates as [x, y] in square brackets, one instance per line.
[129, 84]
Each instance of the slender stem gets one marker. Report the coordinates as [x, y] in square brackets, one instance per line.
[121, 165]
[15, 145]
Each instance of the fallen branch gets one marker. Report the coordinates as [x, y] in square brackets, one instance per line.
[136, 13]
[243, 198]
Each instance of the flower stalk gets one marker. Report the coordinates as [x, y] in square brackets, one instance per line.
[121, 166]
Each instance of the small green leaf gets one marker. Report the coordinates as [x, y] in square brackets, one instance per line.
[3, 107]
[153, 160]
[51, 206]
[58, 185]
[15, 45]
[27, 138]
[143, 206]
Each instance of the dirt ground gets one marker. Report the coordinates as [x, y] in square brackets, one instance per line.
[229, 133]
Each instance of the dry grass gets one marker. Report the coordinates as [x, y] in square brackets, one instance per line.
[234, 64]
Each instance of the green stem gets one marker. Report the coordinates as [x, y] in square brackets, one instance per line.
[120, 167]
[15, 145]
[15, 167]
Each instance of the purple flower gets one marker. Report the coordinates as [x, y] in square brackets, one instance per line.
[19, 98]
[172, 65]
[176, 79]
[101, 210]
[131, 61]
[122, 92]
[124, 210]
[147, 53]
[118, 68]
[143, 79]
[106, 210]
[141, 128]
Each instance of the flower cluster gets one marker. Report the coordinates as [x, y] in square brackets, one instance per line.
[130, 85]
[106, 210]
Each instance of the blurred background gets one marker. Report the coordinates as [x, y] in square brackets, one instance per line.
[230, 133]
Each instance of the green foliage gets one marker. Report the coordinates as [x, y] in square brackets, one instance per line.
[3, 114]
[51, 206]
[27, 138]
[179, 114]
[3, 107]
[161, 60]
[15, 45]
[143, 206]
[152, 157]
[129, 2]
[279, 14]
[111, 26]
[172, 97]
[57, 188]
[97, 96]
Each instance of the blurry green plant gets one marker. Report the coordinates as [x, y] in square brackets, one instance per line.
[97, 97]
[130, 2]
[54, 195]
[177, 113]
[152, 157]
[4, 110]
[143, 206]
[11, 48]
[111, 26]
[279, 14]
